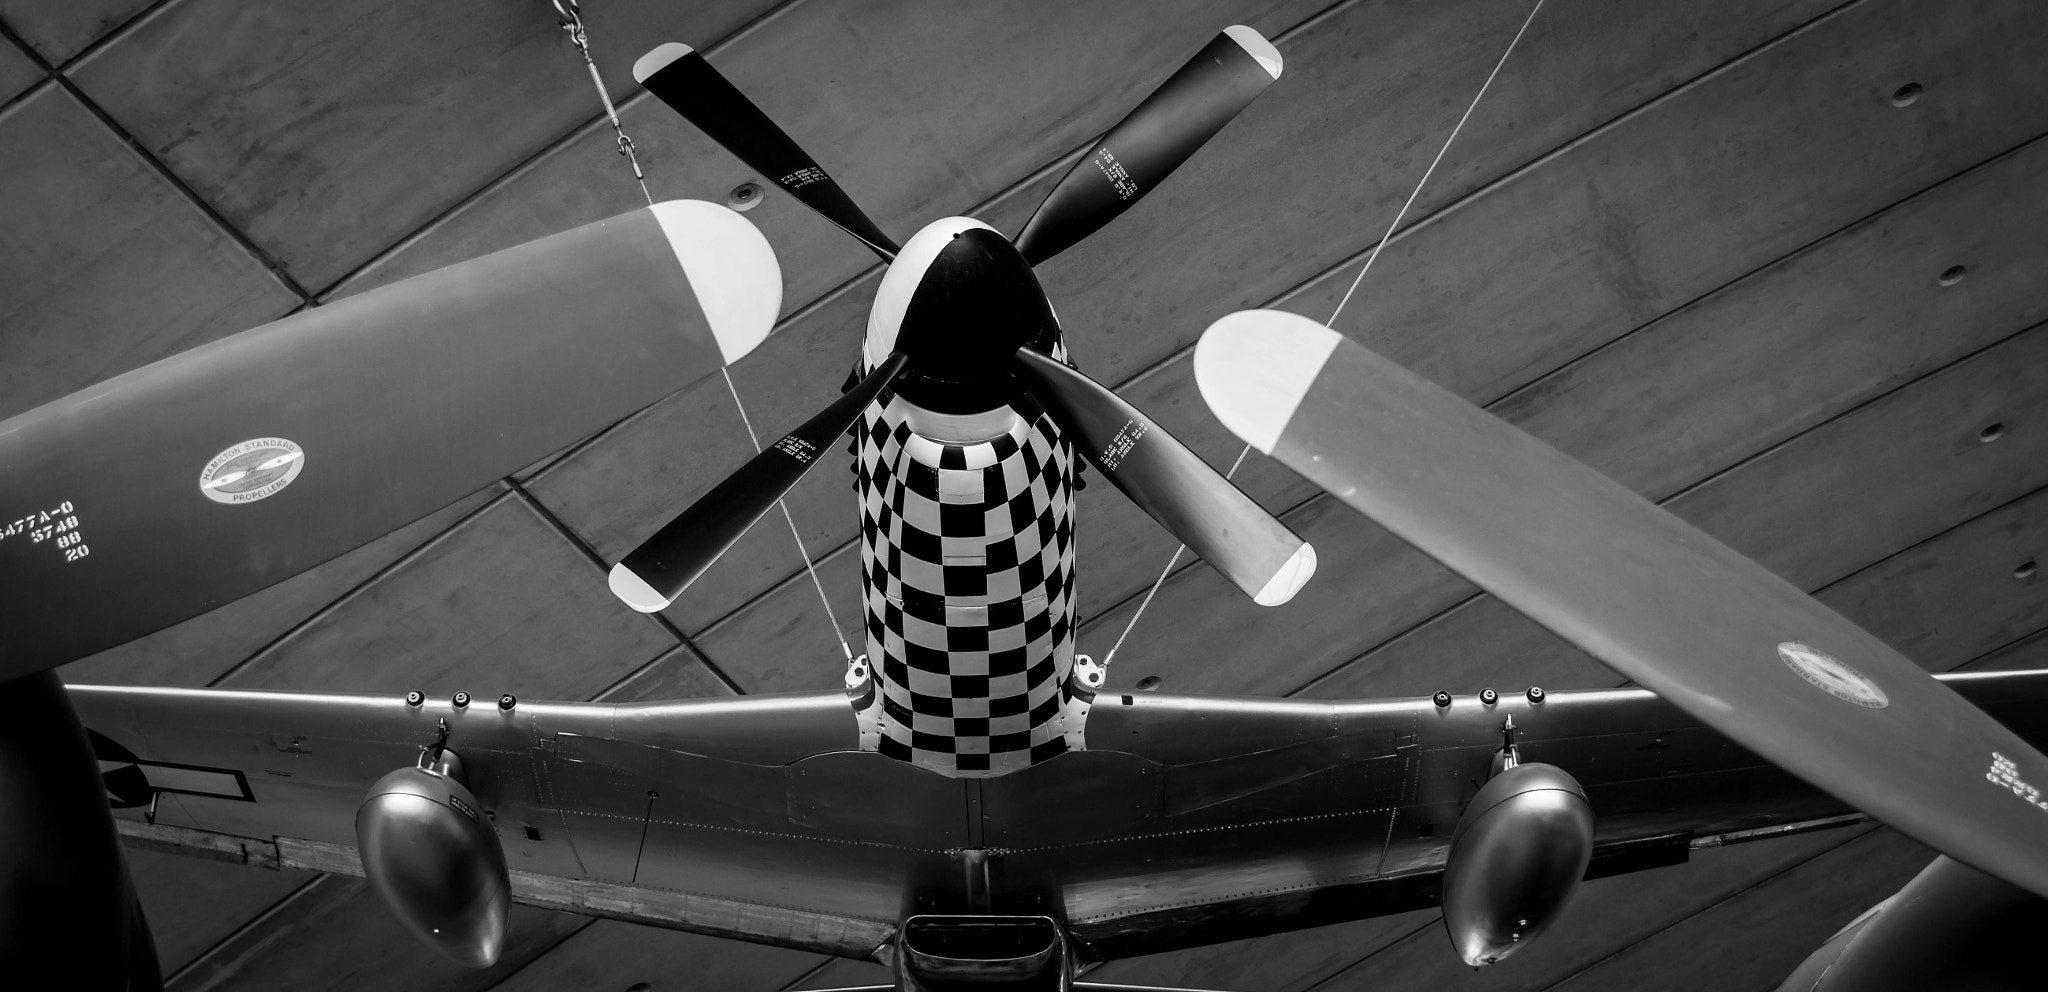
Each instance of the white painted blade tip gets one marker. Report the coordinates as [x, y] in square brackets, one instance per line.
[1254, 366]
[731, 270]
[1256, 46]
[658, 59]
[1292, 575]
[635, 592]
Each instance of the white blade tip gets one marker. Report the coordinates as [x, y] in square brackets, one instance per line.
[1253, 43]
[1290, 578]
[1254, 366]
[658, 59]
[635, 592]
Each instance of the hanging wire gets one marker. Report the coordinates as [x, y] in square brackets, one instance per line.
[1367, 267]
[791, 520]
[572, 22]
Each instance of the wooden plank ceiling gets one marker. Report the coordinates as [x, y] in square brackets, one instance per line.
[1700, 246]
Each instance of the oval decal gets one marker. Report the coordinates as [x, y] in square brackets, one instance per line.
[1831, 676]
[252, 470]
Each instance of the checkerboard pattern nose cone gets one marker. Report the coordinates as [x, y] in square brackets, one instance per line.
[967, 552]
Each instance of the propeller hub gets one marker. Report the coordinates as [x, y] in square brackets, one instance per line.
[958, 300]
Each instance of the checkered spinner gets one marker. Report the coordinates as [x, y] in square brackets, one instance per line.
[967, 552]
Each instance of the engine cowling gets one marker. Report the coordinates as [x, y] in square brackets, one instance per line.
[432, 857]
[1517, 855]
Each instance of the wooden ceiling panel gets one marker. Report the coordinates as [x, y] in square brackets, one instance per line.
[679, 674]
[1275, 963]
[1808, 336]
[17, 71]
[105, 267]
[173, 886]
[335, 935]
[1954, 599]
[1693, 192]
[328, 131]
[59, 31]
[501, 603]
[783, 642]
[610, 956]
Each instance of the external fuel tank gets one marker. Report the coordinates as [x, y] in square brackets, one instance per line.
[1519, 851]
[433, 857]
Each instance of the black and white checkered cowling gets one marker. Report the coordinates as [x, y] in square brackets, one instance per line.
[967, 557]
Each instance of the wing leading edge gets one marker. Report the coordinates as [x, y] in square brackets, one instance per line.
[1191, 820]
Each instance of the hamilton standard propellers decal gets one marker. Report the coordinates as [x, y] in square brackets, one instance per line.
[1709, 630]
[197, 480]
[252, 470]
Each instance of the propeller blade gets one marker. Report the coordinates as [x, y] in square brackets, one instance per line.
[679, 76]
[1146, 146]
[656, 572]
[1653, 597]
[186, 484]
[1195, 503]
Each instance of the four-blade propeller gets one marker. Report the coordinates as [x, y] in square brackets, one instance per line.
[961, 306]
[1632, 585]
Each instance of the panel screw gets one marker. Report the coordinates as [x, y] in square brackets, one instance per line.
[1442, 699]
[461, 700]
[415, 698]
[1905, 95]
[745, 196]
[1489, 697]
[507, 701]
[1535, 693]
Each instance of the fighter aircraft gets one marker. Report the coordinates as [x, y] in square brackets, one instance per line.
[973, 806]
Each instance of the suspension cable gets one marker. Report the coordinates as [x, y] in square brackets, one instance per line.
[1377, 246]
[572, 22]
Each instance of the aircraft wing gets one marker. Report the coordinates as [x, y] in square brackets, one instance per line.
[1189, 820]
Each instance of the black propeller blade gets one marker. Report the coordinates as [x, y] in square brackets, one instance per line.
[186, 484]
[1142, 149]
[680, 77]
[1217, 520]
[1651, 596]
[656, 572]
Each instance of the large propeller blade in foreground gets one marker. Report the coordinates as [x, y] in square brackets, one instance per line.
[656, 572]
[1653, 597]
[680, 77]
[1146, 146]
[197, 480]
[1230, 531]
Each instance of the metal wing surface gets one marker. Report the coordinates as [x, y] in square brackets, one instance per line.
[1189, 820]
